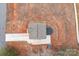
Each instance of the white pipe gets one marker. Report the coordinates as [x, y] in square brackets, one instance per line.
[76, 21]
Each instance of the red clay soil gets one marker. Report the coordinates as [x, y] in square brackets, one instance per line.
[60, 17]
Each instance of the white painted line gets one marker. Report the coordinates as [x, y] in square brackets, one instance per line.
[25, 37]
[76, 22]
